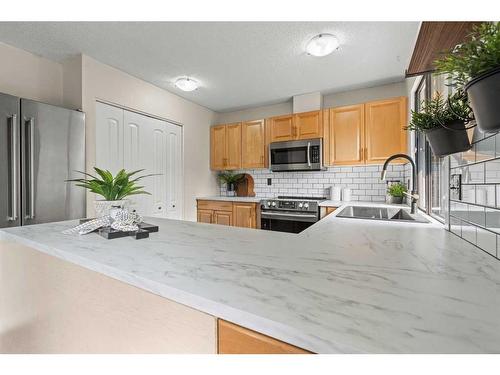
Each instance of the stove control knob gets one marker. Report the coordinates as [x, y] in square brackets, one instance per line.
[300, 205]
[273, 204]
[268, 203]
[306, 205]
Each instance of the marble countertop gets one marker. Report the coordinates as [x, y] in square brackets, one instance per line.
[231, 199]
[342, 286]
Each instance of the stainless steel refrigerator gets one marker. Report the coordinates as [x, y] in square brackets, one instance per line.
[41, 146]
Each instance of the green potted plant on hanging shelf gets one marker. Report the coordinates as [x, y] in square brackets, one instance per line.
[444, 123]
[474, 66]
[396, 192]
[114, 189]
[230, 179]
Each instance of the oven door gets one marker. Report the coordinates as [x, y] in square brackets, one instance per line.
[296, 155]
[284, 221]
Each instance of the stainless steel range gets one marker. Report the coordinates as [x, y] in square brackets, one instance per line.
[289, 214]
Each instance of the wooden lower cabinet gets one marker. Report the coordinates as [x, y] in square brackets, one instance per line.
[327, 210]
[237, 214]
[234, 339]
[205, 216]
[223, 218]
[245, 215]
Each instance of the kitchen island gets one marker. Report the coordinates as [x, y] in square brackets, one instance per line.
[341, 286]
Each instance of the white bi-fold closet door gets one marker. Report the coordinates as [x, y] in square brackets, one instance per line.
[133, 141]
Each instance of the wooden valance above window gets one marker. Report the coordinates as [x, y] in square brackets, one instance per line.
[433, 39]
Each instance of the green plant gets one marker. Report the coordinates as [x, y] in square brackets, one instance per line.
[477, 55]
[438, 111]
[111, 187]
[397, 190]
[230, 177]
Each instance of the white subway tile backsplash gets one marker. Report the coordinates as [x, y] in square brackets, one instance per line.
[364, 181]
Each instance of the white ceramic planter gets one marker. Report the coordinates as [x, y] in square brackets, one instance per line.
[103, 208]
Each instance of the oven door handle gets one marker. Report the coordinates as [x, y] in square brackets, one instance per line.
[289, 216]
[309, 154]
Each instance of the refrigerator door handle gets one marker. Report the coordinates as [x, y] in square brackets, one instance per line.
[31, 182]
[13, 167]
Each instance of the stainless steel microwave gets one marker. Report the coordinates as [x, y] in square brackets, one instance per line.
[303, 155]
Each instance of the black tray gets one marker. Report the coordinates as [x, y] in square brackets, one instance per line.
[110, 233]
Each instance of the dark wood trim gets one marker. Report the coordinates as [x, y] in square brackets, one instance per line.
[433, 39]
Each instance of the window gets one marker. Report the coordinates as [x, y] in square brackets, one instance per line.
[431, 181]
[420, 145]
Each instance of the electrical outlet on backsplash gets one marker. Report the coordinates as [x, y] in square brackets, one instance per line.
[363, 180]
[475, 193]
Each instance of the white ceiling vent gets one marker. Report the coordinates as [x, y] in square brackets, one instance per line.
[307, 102]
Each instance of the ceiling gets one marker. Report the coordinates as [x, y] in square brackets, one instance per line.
[238, 64]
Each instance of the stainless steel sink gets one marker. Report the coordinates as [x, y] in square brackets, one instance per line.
[381, 213]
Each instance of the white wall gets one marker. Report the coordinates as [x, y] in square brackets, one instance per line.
[332, 100]
[30, 76]
[253, 113]
[72, 82]
[365, 95]
[102, 82]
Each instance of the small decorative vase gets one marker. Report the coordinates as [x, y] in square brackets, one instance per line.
[230, 189]
[396, 200]
[104, 208]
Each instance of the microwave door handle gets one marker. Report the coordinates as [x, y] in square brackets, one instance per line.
[309, 154]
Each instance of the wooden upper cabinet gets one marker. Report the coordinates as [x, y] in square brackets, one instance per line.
[304, 125]
[218, 147]
[234, 339]
[225, 146]
[253, 144]
[233, 146]
[308, 125]
[385, 134]
[347, 135]
[244, 215]
[281, 128]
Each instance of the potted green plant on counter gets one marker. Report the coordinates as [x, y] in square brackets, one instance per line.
[230, 179]
[444, 123]
[114, 189]
[396, 192]
[474, 66]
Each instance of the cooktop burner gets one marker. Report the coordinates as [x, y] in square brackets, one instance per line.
[301, 198]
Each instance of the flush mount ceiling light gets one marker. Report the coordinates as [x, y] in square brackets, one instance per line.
[186, 84]
[322, 45]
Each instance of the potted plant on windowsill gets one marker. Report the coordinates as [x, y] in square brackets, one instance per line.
[114, 189]
[444, 123]
[230, 179]
[474, 66]
[396, 192]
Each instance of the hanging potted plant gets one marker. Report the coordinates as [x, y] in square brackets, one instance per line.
[397, 191]
[444, 123]
[114, 189]
[230, 179]
[475, 66]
